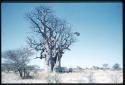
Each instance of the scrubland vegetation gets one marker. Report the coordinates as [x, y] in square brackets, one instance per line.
[83, 76]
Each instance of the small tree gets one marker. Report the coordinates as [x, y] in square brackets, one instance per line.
[105, 66]
[79, 68]
[95, 67]
[116, 66]
[70, 69]
[18, 59]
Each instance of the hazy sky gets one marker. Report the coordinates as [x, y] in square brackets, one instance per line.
[99, 24]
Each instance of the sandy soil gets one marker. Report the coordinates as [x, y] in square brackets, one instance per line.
[86, 76]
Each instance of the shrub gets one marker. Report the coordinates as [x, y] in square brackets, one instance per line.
[116, 67]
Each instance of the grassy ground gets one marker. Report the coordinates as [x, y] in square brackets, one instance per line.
[86, 76]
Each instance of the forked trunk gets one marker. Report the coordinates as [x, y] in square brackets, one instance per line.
[50, 65]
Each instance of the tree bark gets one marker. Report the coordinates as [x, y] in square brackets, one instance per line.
[24, 73]
[20, 72]
[50, 63]
[59, 62]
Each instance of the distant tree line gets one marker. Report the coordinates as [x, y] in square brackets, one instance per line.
[79, 69]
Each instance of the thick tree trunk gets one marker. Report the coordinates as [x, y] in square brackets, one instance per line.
[49, 65]
[24, 73]
[60, 62]
[20, 72]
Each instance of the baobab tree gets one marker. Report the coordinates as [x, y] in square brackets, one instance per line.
[52, 36]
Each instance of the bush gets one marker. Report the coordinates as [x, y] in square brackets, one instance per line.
[116, 67]
[70, 69]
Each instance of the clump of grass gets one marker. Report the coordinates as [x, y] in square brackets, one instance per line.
[53, 78]
[40, 75]
[115, 78]
[91, 77]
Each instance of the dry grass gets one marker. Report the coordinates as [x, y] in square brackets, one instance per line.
[40, 75]
[53, 78]
[87, 76]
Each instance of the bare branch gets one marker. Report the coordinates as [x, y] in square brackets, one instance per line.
[56, 35]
